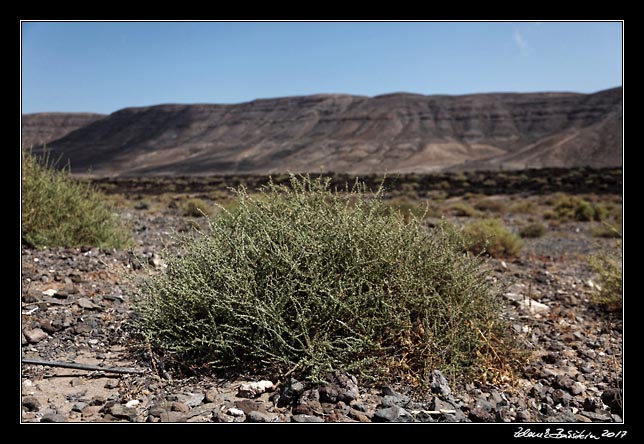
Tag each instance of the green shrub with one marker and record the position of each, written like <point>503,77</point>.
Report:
<point>490,236</point>
<point>523,207</point>
<point>195,208</point>
<point>532,231</point>
<point>490,205</point>
<point>461,209</point>
<point>307,281</point>
<point>608,265</point>
<point>568,208</point>
<point>58,211</point>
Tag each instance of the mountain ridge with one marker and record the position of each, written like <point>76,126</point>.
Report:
<point>395,132</point>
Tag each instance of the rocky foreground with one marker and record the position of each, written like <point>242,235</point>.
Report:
<point>75,304</point>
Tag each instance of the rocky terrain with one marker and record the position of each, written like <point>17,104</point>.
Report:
<point>76,303</point>
<point>351,134</point>
<point>42,128</point>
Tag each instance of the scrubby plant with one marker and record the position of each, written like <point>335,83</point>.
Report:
<point>524,206</point>
<point>608,265</point>
<point>58,211</point>
<point>568,208</point>
<point>490,205</point>
<point>461,209</point>
<point>411,209</point>
<point>491,237</point>
<point>195,207</point>
<point>305,280</point>
<point>532,230</point>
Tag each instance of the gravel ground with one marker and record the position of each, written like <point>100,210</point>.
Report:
<point>75,303</point>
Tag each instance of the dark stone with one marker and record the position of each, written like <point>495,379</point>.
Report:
<point>612,397</point>
<point>425,417</point>
<point>342,387</point>
<point>97,400</point>
<point>290,392</point>
<point>504,414</point>
<point>306,418</point>
<point>47,326</point>
<point>359,416</point>
<point>496,398</point>
<point>537,391</point>
<point>79,406</point>
<point>439,404</point>
<point>439,384</point>
<point>592,404</point>
<point>523,416</point>
<point>157,411</point>
<point>309,403</point>
<point>561,397</point>
<point>335,416</point>
<point>177,406</point>
<point>597,417</point>
<point>486,405</point>
<point>31,404</point>
<point>53,417</point>
<point>121,412</point>
<point>30,297</point>
<point>255,416</point>
<point>302,409</point>
<point>360,406</point>
<point>392,414</point>
<point>211,395</point>
<point>390,401</point>
<point>479,414</point>
<point>564,382</point>
<point>388,391</point>
<point>551,358</point>
<point>250,405</point>
<point>330,393</point>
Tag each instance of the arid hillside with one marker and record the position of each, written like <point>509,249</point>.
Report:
<point>353,134</point>
<point>42,128</point>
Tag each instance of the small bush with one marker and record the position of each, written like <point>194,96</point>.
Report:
<point>490,205</point>
<point>490,236</point>
<point>58,211</point>
<point>568,208</point>
<point>460,209</point>
<point>307,281</point>
<point>532,231</point>
<point>196,208</point>
<point>608,264</point>
<point>523,207</point>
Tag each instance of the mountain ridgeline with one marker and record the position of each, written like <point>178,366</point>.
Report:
<point>350,134</point>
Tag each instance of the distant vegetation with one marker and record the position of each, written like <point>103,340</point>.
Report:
<point>532,231</point>
<point>305,280</point>
<point>608,265</point>
<point>533,181</point>
<point>58,211</point>
<point>491,237</point>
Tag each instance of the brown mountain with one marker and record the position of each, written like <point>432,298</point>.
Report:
<point>354,134</point>
<point>42,128</point>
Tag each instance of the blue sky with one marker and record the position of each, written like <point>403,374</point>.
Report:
<point>105,66</point>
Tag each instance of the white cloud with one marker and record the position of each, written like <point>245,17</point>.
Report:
<point>521,42</point>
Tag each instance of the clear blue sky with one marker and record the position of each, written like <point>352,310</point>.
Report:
<point>105,66</point>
